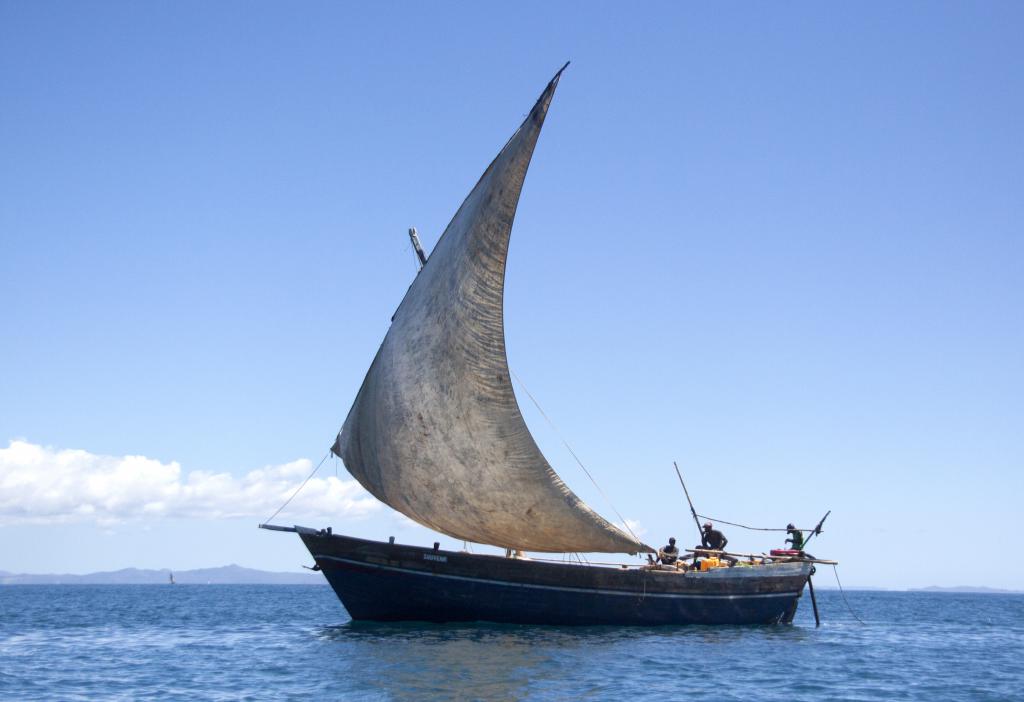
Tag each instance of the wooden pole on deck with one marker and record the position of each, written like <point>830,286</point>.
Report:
<point>817,529</point>
<point>693,511</point>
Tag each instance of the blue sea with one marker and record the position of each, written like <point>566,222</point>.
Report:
<point>224,642</point>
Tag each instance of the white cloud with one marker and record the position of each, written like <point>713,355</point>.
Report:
<point>632,525</point>
<point>39,484</point>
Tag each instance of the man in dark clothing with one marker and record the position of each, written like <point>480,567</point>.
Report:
<point>711,538</point>
<point>797,541</point>
<point>798,538</point>
<point>668,555</point>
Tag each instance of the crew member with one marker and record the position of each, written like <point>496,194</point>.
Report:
<point>798,538</point>
<point>668,555</point>
<point>711,538</point>
<point>798,542</point>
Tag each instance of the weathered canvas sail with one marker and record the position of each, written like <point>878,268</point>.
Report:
<point>435,431</point>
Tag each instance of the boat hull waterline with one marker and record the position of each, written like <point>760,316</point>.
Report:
<point>378,581</point>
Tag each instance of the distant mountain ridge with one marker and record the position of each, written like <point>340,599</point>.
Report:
<point>225,575</point>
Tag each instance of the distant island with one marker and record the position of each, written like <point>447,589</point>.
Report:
<point>967,589</point>
<point>237,575</point>
<point>225,575</point>
<point>961,589</point>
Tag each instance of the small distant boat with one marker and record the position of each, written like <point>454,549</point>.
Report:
<point>171,578</point>
<point>435,432</point>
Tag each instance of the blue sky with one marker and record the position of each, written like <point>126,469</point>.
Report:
<point>780,244</point>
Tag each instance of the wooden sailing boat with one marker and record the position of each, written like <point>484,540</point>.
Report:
<point>436,433</point>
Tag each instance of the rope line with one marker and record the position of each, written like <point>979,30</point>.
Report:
<point>578,461</point>
<point>298,489</point>
<point>743,526</point>
<point>836,571</point>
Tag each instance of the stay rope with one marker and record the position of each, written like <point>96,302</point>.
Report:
<point>743,526</point>
<point>836,571</point>
<point>298,489</point>
<point>565,443</point>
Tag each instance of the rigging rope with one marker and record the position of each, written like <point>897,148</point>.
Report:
<point>836,571</point>
<point>743,526</point>
<point>536,404</point>
<point>298,489</point>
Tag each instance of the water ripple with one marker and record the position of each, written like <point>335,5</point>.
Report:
<point>274,643</point>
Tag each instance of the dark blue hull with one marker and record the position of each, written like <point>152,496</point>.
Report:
<point>390,582</point>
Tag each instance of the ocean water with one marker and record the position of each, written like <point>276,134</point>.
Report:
<point>194,642</point>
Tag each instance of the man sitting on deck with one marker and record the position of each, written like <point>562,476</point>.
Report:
<point>668,555</point>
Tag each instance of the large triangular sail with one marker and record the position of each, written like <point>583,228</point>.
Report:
<point>435,430</point>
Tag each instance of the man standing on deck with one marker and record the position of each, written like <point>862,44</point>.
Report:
<point>797,541</point>
<point>798,537</point>
<point>711,538</point>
